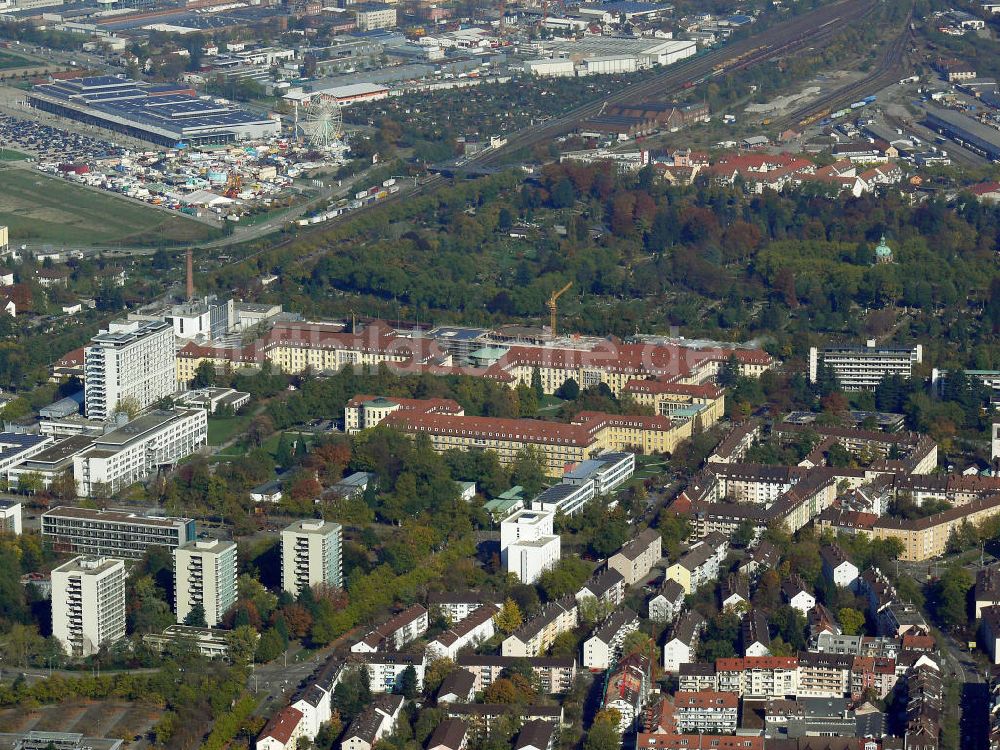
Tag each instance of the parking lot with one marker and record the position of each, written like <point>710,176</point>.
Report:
<point>48,143</point>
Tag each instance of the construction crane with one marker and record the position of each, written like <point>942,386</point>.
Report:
<point>553,308</point>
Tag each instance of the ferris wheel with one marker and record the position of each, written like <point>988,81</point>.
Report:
<point>323,124</point>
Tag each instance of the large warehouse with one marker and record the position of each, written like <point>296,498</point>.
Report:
<point>973,134</point>
<point>165,115</point>
<point>620,54</point>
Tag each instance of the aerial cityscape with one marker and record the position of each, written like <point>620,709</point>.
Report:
<point>488,374</point>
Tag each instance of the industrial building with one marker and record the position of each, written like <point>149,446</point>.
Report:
<point>164,115</point>
<point>966,131</point>
<point>621,54</point>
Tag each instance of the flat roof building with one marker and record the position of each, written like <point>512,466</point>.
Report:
<point>157,114</point>
<point>88,604</point>
<point>129,365</point>
<point>861,368</point>
<point>205,575</point>
<point>132,452</point>
<point>311,555</point>
<point>112,533</point>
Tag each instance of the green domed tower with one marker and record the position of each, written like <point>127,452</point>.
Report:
<point>883,253</point>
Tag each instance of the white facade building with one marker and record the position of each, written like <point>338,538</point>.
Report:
<point>88,604</point>
<point>10,517</point>
<point>311,555</point>
<point>861,368</point>
<point>132,452</point>
<point>205,574</point>
<point>527,545</point>
<point>131,362</point>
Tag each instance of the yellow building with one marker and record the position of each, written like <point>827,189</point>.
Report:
<point>562,445</point>
<point>924,538</point>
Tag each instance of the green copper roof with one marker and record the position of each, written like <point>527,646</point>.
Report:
<point>883,250</point>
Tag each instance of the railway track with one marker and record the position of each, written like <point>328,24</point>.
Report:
<point>777,41</point>
<point>890,68</point>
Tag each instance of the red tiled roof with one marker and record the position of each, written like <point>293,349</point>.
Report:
<point>283,725</point>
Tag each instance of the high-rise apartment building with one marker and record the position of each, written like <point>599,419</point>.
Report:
<point>205,574</point>
<point>861,368</point>
<point>88,604</point>
<point>130,363</point>
<point>311,554</point>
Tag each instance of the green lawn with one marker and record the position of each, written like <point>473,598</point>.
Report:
<point>222,429</point>
<point>40,208</point>
<point>7,154</point>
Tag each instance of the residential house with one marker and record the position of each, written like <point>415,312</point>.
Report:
<point>378,720</point>
<point>451,734</point>
<point>607,587</point>
<point>536,636</point>
<point>708,712</point>
<point>989,631</point>
<point>314,705</point>
<point>603,648</point>
<point>797,594</point>
<point>637,557</point>
<point>458,687</point>
<point>554,674</point>
<point>395,633</point>
<point>754,637</point>
<point>471,631</point>
<point>537,734</point>
<point>838,569</point>
<point>735,592</point>
<point>667,603</point>
<point>682,644</point>
<point>700,564</point>
<point>626,689</point>
<point>987,591</point>
<point>455,606</point>
<point>282,732</point>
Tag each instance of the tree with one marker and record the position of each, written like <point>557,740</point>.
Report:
<point>569,390</point>
<point>536,383</point>
<point>204,375</point>
<point>951,600</point>
<point>196,616</point>
<point>509,618</point>
<point>528,470</point>
<point>593,610</point>
<point>435,673</point>
<point>283,453</point>
<point>408,683</point>
<point>242,644</point>
<point>729,373</point>
<point>604,734</point>
<point>852,622</point>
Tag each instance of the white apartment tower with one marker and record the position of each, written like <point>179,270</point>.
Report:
<point>311,554</point>
<point>205,574</point>
<point>132,361</point>
<point>88,604</point>
<point>527,545</point>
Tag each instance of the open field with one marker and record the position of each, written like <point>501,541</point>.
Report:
<point>221,429</point>
<point>7,60</point>
<point>7,154</point>
<point>40,208</point>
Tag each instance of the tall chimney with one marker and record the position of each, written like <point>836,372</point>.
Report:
<point>190,275</point>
